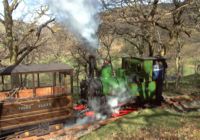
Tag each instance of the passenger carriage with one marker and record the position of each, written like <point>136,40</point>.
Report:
<point>35,94</point>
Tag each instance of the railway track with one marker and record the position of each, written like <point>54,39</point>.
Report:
<point>59,131</point>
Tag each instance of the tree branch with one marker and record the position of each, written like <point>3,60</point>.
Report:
<point>2,21</point>
<point>28,50</point>
<point>154,9</point>
<point>25,36</point>
<point>165,27</point>
<point>14,5</point>
<point>39,30</point>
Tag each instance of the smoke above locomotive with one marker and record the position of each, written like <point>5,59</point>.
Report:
<point>79,16</point>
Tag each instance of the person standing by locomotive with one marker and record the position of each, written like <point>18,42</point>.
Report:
<point>159,70</point>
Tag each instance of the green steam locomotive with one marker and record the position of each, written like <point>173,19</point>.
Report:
<point>138,79</point>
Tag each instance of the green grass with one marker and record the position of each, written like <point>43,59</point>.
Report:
<point>148,120</point>
<point>188,70</point>
<point>191,80</point>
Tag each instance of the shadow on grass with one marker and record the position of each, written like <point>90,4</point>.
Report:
<point>189,80</point>
<point>150,117</point>
<point>144,119</point>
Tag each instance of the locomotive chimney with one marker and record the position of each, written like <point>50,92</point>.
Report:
<point>92,66</point>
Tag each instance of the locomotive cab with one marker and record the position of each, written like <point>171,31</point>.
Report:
<point>147,78</point>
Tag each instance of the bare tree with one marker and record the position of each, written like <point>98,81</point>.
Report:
<point>107,35</point>
<point>138,20</point>
<point>18,38</point>
<point>80,58</point>
<point>177,29</point>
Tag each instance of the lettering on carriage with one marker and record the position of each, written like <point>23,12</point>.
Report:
<point>29,107</point>
<point>45,105</point>
<point>25,107</point>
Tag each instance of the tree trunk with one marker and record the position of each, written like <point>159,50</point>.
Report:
<point>178,67</point>
<point>151,51</point>
<point>178,61</point>
<point>77,77</point>
<point>109,57</point>
<point>8,24</point>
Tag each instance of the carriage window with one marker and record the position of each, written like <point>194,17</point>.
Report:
<point>1,84</point>
<point>27,81</point>
<point>7,83</point>
<point>68,83</point>
<point>58,79</point>
<point>46,79</point>
<point>67,80</point>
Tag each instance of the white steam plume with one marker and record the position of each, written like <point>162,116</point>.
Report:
<point>80,16</point>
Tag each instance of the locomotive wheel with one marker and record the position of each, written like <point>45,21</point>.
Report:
<point>139,101</point>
